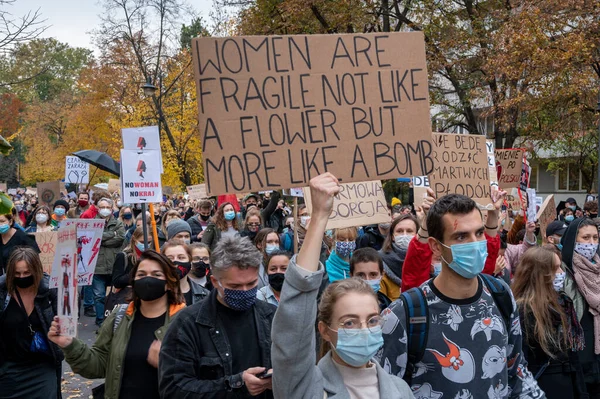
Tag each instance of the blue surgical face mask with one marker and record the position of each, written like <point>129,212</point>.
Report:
<point>271,248</point>
<point>468,260</point>
<point>437,268</point>
<point>4,228</point>
<point>344,249</point>
<point>59,212</point>
<point>140,246</point>
<point>239,300</point>
<point>559,246</point>
<point>573,207</point>
<point>375,284</point>
<point>358,347</point>
<point>230,215</point>
<point>569,218</point>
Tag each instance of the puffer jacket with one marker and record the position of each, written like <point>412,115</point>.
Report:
<point>45,305</point>
<point>106,358</point>
<point>112,241</point>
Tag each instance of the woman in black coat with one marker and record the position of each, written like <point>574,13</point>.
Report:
<point>10,238</point>
<point>30,365</point>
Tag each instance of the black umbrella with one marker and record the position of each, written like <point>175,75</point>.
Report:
<point>101,160</point>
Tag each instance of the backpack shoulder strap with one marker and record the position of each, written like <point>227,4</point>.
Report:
<point>417,324</point>
<point>501,297</point>
<point>121,310</point>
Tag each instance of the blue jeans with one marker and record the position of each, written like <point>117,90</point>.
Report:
<point>88,296</point>
<point>99,284</point>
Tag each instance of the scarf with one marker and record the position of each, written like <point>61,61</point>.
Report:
<point>587,277</point>
<point>337,268</point>
<point>574,331</point>
<point>392,263</point>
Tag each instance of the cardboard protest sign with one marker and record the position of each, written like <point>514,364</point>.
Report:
<point>142,139</point>
<point>140,177</point>
<point>508,164</point>
<point>76,170</point>
<point>461,167</point>
<point>3,187</point>
<point>48,192</point>
<point>525,175</point>
<point>357,204</point>
<point>114,185</point>
<point>46,241</point>
<point>31,191</point>
<point>490,149</point>
<point>513,199</point>
<point>531,205</point>
<point>420,185</point>
<point>89,237</point>
<point>64,275</point>
<point>546,214</point>
<point>276,111</point>
<point>197,191</point>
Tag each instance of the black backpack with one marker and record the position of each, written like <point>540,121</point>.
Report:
<point>417,319</point>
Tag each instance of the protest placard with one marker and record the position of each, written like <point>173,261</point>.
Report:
<point>89,237</point>
<point>140,177</point>
<point>490,149</point>
<point>197,191</point>
<point>420,185</point>
<point>46,241</point>
<point>294,192</point>
<point>546,214</point>
<point>513,199</point>
<point>525,175</point>
<point>76,170</point>
<point>48,192</point>
<point>12,191</point>
<point>357,204</point>
<point>64,276</point>
<point>114,185</point>
<point>31,191</point>
<point>531,205</point>
<point>3,187</point>
<point>142,139</point>
<point>167,190</point>
<point>276,111</point>
<point>509,164</point>
<point>461,167</point>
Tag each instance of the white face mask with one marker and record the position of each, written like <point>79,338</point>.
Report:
<point>559,281</point>
<point>105,212</point>
<point>403,240</point>
<point>41,218</point>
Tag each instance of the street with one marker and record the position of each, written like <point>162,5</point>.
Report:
<point>73,385</point>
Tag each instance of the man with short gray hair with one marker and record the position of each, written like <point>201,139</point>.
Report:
<point>221,347</point>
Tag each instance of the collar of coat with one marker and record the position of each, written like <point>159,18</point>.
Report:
<point>174,308</point>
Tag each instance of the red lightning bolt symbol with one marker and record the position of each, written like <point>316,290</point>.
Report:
<point>95,250</point>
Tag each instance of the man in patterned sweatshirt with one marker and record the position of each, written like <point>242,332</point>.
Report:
<point>469,351</point>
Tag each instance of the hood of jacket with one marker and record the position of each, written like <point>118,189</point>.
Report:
<point>373,229</point>
<point>568,243</point>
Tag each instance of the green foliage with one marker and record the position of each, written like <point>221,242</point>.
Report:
<point>196,29</point>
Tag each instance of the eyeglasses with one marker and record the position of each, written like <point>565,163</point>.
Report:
<point>204,259</point>
<point>352,326</point>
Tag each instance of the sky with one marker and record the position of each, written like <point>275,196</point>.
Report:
<point>71,21</point>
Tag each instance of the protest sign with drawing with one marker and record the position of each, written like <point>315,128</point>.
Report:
<point>140,177</point>
<point>513,199</point>
<point>525,175</point>
<point>76,170</point>
<point>89,237</point>
<point>46,241</point>
<point>197,191</point>
<point>509,164</point>
<point>357,204</point>
<point>461,167</point>
<point>48,192</point>
<point>276,111</point>
<point>144,138</point>
<point>64,278</point>
<point>490,149</point>
<point>546,214</point>
<point>420,185</point>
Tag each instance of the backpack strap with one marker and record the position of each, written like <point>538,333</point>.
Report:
<point>121,310</point>
<point>501,297</point>
<point>417,324</point>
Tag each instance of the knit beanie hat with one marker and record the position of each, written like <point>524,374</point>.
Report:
<point>396,201</point>
<point>63,203</point>
<point>176,226</point>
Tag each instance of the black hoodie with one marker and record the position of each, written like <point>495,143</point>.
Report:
<point>568,243</point>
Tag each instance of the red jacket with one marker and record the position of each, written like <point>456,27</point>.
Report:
<point>90,213</point>
<point>417,265</point>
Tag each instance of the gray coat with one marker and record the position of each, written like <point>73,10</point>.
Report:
<point>294,372</point>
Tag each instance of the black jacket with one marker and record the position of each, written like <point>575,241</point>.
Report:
<point>371,238</point>
<point>196,227</point>
<point>121,275</point>
<point>20,238</point>
<point>45,305</point>
<point>194,359</point>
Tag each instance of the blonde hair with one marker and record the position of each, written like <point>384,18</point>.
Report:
<point>334,292</point>
<point>349,231</point>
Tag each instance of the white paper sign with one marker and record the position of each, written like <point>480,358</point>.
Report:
<point>420,181</point>
<point>64,277</point>
<point>491,157</point>
<point>531,205</point>
<point>142,139</point>
<point>140,177</point>
<point>294,192</point>
<point>89,238</point>
<point>76,171</point>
